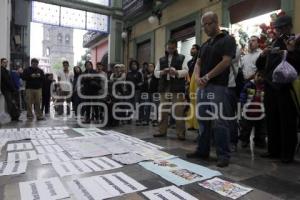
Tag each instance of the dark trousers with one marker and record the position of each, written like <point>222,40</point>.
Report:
<point>214,96</point>
<point>281,117</point>
<point>76,100</point>
<point>61,100</point>
<point>46,104</point>
<point>234,127</point>
<point>259,130</point>
<point>145,110</point>
<point>12,104</point>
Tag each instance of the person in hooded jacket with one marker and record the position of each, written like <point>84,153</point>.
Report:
<point>136,78</point>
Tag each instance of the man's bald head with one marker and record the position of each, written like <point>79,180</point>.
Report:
<point>210,23</point>
<point>211,15</point>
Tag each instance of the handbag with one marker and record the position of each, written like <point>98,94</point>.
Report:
<point>284,72</point>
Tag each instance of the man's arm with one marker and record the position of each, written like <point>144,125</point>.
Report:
<point>220,67</point>
<point>197,71</point>
<point>157,71</point>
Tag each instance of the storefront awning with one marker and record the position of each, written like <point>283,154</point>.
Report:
<point>246,9</point>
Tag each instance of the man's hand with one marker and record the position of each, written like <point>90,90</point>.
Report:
<point>201,82</point>
<point>165,71</point>
<point>173,71</point>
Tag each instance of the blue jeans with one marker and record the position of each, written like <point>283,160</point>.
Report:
<point>219,127</point>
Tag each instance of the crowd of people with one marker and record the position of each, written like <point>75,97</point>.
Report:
<point>222,92</point>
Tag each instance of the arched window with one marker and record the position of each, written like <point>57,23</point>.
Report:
<point>47,35</point>
<point>47,51</point>
<point>67,39</point>
<point>59,37</point>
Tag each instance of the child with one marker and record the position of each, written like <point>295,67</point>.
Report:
<point>253,92</point>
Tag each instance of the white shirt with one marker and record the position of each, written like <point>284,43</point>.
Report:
<point>248,63</point>
<point>181,73</point>
<point>65,77</point>
<point>234,68</point>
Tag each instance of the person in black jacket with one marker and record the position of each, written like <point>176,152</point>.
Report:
<point>150,87</point>
<point>46,93</point>
<point>8,89</point>
<point>76,100</point>
<point>34,78</point>
<point>136,77</point>
<point>281,114</point>
<point>90,89</point>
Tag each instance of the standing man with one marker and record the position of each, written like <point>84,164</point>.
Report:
<point>65,80</point>
<point>34,78</point>
<point>281,112</point>
<point>212,75</point>
<point>248,61</point>
<point>9,90</point>
<point>171,74</point>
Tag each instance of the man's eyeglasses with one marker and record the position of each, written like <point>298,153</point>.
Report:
<point>207,24</point>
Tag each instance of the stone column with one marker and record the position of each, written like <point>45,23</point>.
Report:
<point>5,18</point>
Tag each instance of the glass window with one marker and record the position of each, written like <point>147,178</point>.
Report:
<point>47,51</point>
<point>45,13</point>
<point>72,18</point>
<point>67,39</point>
<point>97,22</point>
<point>99,2</point>
<point>59,37</point>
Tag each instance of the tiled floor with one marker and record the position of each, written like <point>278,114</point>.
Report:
<point>269,178</point>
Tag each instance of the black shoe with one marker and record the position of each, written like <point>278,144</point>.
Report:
<point>233,148</point>
<point>260,145</point>
<point>223,163</point>
<point>87,121</point>
<point>145,123</point>
<point>287,160</point>
<point>160,135</point>
<point>155,124</point>
<point>245,144</point>
<point>268,155</point>
<point>40,119</point>
<point>16,120</point>
<point>197,155</point>
<point>138,123</point>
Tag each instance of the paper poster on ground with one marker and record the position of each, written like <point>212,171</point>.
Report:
<point>104,186</point>
<point>168,193</point>
<point>21,155</point>
<point>12,168</point>
<point>128,158</point>
<point>225,188</point>
<point>53,158</point>
<point>43,142</point>
<point>19,146</point>
<point>178,171</point>
<point>85,166</point>
<point>44,189</point>
<point>48,149</point>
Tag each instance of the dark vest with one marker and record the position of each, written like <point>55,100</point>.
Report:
<point>176,85</point>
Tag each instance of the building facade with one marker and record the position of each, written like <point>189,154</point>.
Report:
<point>181,20</point>
<point>58,45</point>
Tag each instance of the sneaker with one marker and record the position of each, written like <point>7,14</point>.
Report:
<point>223,163</point>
